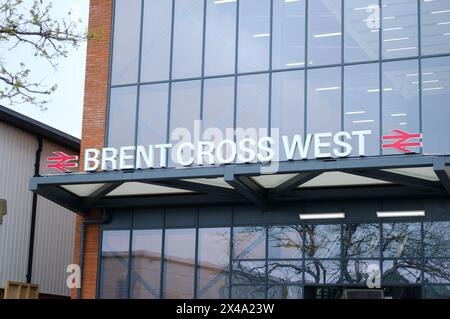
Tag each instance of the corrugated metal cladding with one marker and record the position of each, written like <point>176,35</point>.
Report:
<point>54,238</point>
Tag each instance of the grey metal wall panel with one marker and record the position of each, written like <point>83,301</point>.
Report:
<point>54,241</point>
<point>55,226</point>
<point>17,154</point>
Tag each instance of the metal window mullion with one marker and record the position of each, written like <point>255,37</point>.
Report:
<point>111,51</point>
<point>138,91</point>
<point>236,67</point>
<point>130,257</point>
<point>342,68</point>
<point>419,39</point>
<point>269,124</point>
<point>267,262</point>
<point>197,247</point>
<point>163,258</point>
<point>380,75</point>
<point>169,106</point>
<point>230,269</point>
<point>202,89</point>
<point>305,76</point>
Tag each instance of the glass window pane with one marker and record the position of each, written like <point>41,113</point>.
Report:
<point>437,239</point>
<point>401,108</point>
<point>146,265</point>
<point>285,242</point>
<point>184,111</point>
<point>437,292</point>
<point>218,104</point>
<point>122,117</point>
<point>437,271</point>
<point>400,272</point>
<point>156,39</point>
<point>285,292</point>
<point>435,27</point>
<point>249,242</point>
<point>254,35</point>
<point>400,29</point>
<point>436,94</point>
<point>188,39</point>
<point>402,240</point>
<point>323,241</point>
<point>220,35</point>
<point>252,101</point>
<point>213,263</point>
<point>324,28</point>
<point>362,240</point>
<point>153,107</point>
<point>252,110</point>
<point>288,34</point>
<point>179,263</point>
<point>362,30</point>
<point>249,272</point>
<point>324,101</point>
<point>114,265</point>
<point>362,105</point>
<point>285,272</point>
<point>288,106</point>
<point>322,271</point>
<point>248,292</point>
<point>127,29</point>
<point>358,271</point>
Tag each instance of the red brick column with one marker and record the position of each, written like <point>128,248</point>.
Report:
<point>94,122</point>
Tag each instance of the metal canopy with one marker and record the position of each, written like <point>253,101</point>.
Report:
<point>395,176</point>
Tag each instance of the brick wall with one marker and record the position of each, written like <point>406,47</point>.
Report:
<point>93,135</point>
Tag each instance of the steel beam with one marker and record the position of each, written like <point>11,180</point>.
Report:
<point>292,184</point>
<point>344,165</point>
<point>443,173</point>
<point>249,190</point>
<point>64,199</point>
<point>101,192</point>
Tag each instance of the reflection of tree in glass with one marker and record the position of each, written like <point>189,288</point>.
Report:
<point>286,241</point>
<point>437,239</point>
<point>402,271</point>
<point>323,271</point>
<point>248,272</point>
<point>401,240</point>
<point>285,272</point>
<point>437,271</point>
<point>323,241</point>
<point>249,242</point>
<point>361,240</point>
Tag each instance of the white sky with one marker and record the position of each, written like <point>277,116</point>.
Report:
<point>65,109</point>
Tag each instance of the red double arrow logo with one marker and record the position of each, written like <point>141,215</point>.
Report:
<point>63,162</point>
<point>403,141</point>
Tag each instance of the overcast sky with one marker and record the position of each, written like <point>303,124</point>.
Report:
<point>66,107</point>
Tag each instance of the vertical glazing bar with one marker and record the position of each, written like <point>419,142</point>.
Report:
<point>419,26</point>
<point>230,269</point>
<point>202,89</point>
<point>236,68</point>
<point>130,257</point>
<point>305,108</point>
<point>269,127</point>
<point>380,126</point>
<point>163,249</point>
<point>108,97</point>
<point>138,94</point>
<point>196,267</point>
<point>170,75</point>
<point>267,262</point>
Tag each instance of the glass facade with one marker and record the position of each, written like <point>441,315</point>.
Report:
<point>356,65</point>
<point>211,257</point>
